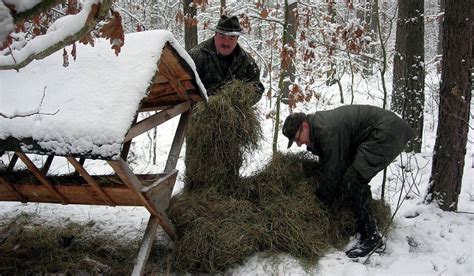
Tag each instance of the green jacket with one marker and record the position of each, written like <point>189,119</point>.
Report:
<point>215,71</point>
<point>361,137</point>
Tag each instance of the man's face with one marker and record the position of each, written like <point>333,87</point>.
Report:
<point>302,135</point>
<point>225,44</point>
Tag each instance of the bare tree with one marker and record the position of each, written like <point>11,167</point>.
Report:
<point>190,24</point>
<point>454,105</point>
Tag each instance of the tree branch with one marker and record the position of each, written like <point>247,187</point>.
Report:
<point>89,25</point>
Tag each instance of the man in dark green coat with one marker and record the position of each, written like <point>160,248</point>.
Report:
<point>354,143</point>
<point>220,59</point>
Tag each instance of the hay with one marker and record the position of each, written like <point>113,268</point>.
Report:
<point>30,247</point>
<point>219,135</point>
<point>222,219</point>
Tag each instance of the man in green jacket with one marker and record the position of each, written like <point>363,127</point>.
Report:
<point>220,59</point>
<point>354,143</point>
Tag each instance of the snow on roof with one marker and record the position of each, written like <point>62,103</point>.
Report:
<point>87,107</point>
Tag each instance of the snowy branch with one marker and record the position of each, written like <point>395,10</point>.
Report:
<point>58,38</point>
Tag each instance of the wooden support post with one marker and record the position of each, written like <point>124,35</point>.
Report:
<point>91,181</point>
<point>145,247</point>
<point>41,177</point>
<point>10,186</point>
<point>131,180</point>
<point>178,141</point>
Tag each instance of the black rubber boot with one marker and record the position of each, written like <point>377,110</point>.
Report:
<point>366,245</point>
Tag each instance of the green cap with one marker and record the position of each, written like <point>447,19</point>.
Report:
<point>291,125</point>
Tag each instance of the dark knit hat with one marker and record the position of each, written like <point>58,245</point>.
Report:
<point>291,125</point>
<point>229,26</point>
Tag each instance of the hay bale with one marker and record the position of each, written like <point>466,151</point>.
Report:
<point>221,131</point>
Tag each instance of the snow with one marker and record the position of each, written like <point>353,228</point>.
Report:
<point>424,241</point>
<point>88,106</point>
<point>22,5</point>
<point>6,22</point>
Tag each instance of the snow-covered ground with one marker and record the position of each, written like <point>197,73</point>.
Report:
<point>424,241</point>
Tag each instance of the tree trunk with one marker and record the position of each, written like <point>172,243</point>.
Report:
<point>454,105</point>
<point>408,68</point>
<point>289,34</point>
<point>190,27</point>
<point>441,3</point>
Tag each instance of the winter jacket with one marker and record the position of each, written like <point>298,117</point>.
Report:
<point>358,138</point>
<point>214,71</point>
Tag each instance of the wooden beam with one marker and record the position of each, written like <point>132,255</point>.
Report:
<point>12,188</point>
<point>76,194</point>
<point>12,163</point>
<point>127,176</point>
<point>156,119</point>
<point>47,164</point>
<point>160,192</point>
<point>178,140</point>
<point>166,60</point>
<point>91,181</point>
<point>41,177</point>
<point>145,247</point>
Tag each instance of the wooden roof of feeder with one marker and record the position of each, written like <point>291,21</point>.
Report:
<point>88,108</point>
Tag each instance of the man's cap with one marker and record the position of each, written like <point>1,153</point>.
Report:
<point>229,26</point>
<point>291,125</point>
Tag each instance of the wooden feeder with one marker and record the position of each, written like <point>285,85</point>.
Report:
<point>171,92</point>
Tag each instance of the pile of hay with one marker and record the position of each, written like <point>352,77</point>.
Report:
<point>222,219</point>
<point>31,247</point>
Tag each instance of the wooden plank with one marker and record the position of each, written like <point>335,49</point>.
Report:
<point>76,194</point>
<point>160,192</point>
<point>127,176</point>
<point>145,247</point>
<point>47,164</point>
<point>12,163</point>
<point>12,188</point>
<point>41,177</point>
<point>156,119</point>
<point>178,140</point>
<point>165,68</point>
<point>126,145</point>
<point>91,181</point>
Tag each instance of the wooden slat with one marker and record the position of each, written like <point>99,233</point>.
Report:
<point>91,181</point>
<point>178,140</point>
<point>12,188</point>
<point>156,119</point>
<point>47,164</point>
<point>127,176</point>
<point>126,146</point>
<point>145,247</point>
<point>165,68</point>
<point>12,163</point>
<point>41,177</point>
<point>76,194</point>
<point>160,192</point>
